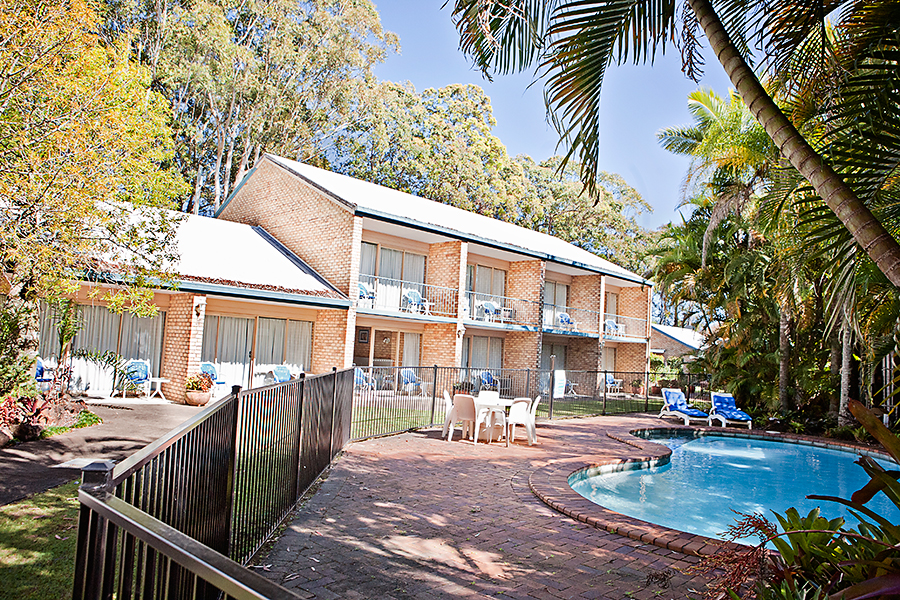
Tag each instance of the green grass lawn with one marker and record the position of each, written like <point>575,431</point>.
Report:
<point>37,545</point>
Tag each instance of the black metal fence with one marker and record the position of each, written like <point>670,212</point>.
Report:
<point>178,518</point>
<point>389,400</point>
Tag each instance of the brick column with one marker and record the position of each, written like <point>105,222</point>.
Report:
<point>182,342</point>
<point>333,340</point>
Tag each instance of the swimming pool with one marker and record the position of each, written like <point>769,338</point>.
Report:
<point>708,476</point>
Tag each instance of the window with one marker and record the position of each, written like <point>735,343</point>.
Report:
<point>612,303</point>
<point>389,263</point>
<point>556,298</point>
<point>482,352</point>
<point>485,280</point>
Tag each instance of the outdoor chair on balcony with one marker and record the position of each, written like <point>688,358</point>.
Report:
<point>566,322</point>
<point>491,311</point>
<point>611,327</point>
<point>725,411</point>
<point>366,296</point>
<point>413,302</point>
<point>136,376</point>
<point>613,385</point>
<point>675,405</point>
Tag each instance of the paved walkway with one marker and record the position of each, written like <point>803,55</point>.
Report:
<point>30,467</point>
<point>413,516</point>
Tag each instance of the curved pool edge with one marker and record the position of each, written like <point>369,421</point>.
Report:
<point>550,484</point>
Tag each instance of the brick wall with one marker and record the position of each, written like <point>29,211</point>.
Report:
<point>525,280</point>
<point>584,292</point>
<point>633,302</point>
<point>583,354</point>
<point>631,358</point>
<point>440,346</point>
<point>385,350</point>
<point>333,334</point>
<point>316,228</point>
<point>522,350</point>
<point>446,268</point>
<point>182,343</point>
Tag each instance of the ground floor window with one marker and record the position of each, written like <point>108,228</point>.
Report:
<point>482,352</point>
<point>557,350</point>
<point>228,344</point>
<point>608,358</point>
<point>99,331</point>
<point>411,347</point>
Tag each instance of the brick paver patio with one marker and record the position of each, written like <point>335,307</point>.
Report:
<point>413,516</point>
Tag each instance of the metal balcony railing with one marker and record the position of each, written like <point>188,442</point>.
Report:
<point>383,293</point>
<point>624,327</point>
<point>500,309</point>
<point>568,318</point>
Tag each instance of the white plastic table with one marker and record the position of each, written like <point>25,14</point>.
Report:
<point>156,387</point>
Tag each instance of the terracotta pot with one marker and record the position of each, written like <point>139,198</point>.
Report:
<point>196,398</point>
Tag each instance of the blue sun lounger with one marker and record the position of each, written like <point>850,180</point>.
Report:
<point>725,411</point>
<point>675,405</point>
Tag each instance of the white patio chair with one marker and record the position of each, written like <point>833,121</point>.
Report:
<point>464,405</point>
<point>520,414</point>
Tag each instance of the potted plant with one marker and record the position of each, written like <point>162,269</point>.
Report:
<point>637,386</point>
<point>196,389</point>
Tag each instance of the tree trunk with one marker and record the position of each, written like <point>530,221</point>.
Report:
<point>198,186</point>
<point>784,371</point>
<point>846,355</point>
<point>228,158</point>
<point>835,368</point>
<point>868,232</point>
<point>245,158</point>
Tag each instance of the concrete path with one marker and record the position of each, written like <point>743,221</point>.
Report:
<point>29,468</point>
<point>413,516</point>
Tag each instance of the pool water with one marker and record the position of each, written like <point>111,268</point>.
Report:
<point>710,476</point>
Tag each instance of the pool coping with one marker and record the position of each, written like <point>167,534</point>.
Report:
<point>551,485</point>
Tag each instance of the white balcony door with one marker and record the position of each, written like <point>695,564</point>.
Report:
<point>411,343</point>
<point>609,359</point>
<point>390,271</point>
<point>556,298</point>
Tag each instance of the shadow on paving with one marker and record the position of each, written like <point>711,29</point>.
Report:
<point>413,516</point>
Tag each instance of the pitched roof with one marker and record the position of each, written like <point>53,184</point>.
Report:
<point>688,337</point>
<point>371,200</point>
<point>238,255</point>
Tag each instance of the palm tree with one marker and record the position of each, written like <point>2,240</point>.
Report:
<point>573,42</point>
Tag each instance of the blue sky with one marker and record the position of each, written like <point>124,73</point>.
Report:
<point>637,101</point>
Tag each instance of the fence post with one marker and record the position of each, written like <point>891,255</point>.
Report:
<point>300,440</point>
<point>605,386</point>
<point>646,391</point>
<point>552,385</point>
<point>94,560</point>
<point>333,405</point>
<point>233,469</point>
<point>528,383</point>
<point>433,395</point>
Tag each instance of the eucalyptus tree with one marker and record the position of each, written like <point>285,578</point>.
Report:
<point>259,76</point>
<point>572,42</point>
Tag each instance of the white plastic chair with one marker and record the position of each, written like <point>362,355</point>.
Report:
<point>537,400</point>
<point>473,418</point>
<point>520,413</point>
<point>451,418</point>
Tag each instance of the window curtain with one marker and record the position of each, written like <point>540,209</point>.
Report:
<point>549,303</point>
<point>414,271</point>
<point>269,347</point>
<point>99,333</point>
<point>233,350</point>
<point>298,346</point>
<point>390,271</point>
<point>480,351</point>
<point>367,258</point>
<point>210,332</point>
<point>609,359</point>
<point>411,349</point>
<point>469,306</point>
<point>612,301</point>
<point>498,287</point>
<point>142,338</point>
<point>495,358</point>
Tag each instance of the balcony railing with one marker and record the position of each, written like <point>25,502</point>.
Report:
<point>383,293</point>
<point>500,309</point>
<point>568,318</point>
<point>624,327</point>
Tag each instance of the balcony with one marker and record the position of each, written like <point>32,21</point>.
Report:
<point>490,308</point>
<point>395,295</point>
<point>618,327</point>
<point>571,319</point>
